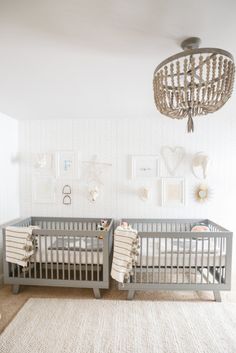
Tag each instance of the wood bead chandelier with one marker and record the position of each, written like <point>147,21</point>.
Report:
<point>194,82</point>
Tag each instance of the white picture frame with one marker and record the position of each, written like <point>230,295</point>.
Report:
<point>173,192</point>
<point>44,189</point>
<point>145,166</point>
<point>43,163</point>
<point>67,164</point>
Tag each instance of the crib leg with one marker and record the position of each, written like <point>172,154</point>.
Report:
<point>97,293</point>
<point>217,296</point>
<point>15,288</point>
<point>131,294</point>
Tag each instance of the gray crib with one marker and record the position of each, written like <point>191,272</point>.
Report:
<point>174,258</point>
<point>70,252</point>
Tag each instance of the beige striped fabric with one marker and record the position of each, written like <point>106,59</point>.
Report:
<point>19,244</point>
<point>125,254</point>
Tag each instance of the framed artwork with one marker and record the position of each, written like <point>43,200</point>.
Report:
<point>173,192</point>
<point>145,166</point>
<point>43,163</point>
<point>67,164</point>
<point>44,189</point>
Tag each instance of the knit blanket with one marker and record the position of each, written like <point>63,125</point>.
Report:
<point>20,244</point>
<point>125,254</point>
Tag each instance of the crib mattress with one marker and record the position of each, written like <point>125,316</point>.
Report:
<point>179,253</point>
<point>46,252</point>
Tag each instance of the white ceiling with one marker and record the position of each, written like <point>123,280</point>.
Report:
<point>90,58</point>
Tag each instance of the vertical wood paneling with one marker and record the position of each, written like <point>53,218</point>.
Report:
<point>114,141</point>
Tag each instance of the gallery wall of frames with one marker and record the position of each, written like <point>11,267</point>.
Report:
<point>114,168</point>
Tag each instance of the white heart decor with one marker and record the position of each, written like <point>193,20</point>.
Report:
<point>173,157</point>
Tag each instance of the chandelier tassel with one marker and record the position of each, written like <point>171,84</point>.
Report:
<point>190,124</point>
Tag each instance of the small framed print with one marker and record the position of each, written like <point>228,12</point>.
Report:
<point>173,192</point>
<point>145,166</point>
<point>67,164</point>
<point>44,189</point>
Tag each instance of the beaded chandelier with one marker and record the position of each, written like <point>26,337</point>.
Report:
<point>194,82</point>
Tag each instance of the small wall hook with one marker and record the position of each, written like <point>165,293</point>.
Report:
<point>67,200</point>
<point>66,189</point>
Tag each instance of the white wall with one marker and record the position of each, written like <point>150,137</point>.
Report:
<point>9,176</point>
<point>113,141</point>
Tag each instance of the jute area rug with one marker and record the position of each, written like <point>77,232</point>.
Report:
<point>108,326</point>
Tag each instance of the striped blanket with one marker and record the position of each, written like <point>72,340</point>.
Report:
<point>125,254</point>
<point>20,244</point>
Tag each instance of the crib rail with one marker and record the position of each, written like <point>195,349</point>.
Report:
<point>173,257</point>
<point>68,252</point>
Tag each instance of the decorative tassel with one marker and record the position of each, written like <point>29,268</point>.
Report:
<point>190,124</point>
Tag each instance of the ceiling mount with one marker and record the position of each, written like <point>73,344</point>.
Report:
<point>191,43</point>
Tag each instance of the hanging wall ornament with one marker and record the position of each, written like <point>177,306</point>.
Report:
<point>173,157</point>
<point>202,193</point>
<point>93,193</point>
<point>143,193</point>
<point>94,170</point>
<point>67,200</point>
<point>94,175</point>
<point>66,191</point>
<point>200,164</point>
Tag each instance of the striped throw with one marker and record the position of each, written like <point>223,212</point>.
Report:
<point>125,254</point>
<point>20,244</point>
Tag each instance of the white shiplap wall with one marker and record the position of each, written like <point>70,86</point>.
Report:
<point>114,140</point>
<point>9,176</point>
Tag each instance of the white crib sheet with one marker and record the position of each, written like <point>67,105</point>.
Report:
<point>44,253</point>
<point>179,254</point>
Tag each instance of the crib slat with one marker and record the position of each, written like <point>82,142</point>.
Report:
<point>208,260</point>
<point>68,253</point>
<point>74,259</point>
<point>98,259</point>
<point>141,260</point>
<point>153,258</point>
<point>147,260</point>
<point>202,258</point>
<point>214,261</point>
<point>159,261</point>
<point>46,256</point>
<point>13,270</point>
<point>220,265</point>
<point>92,258</point>
<point>40,257</point>
<point>51,252</point>
<point>86,259</point>
<point>171,261</point>
<point>184,252</point>
<point>57,257</point>
<point>177,275</point>
<point>190,260</point>
<point>35,249</point>
<point>165,259</point>
<point>63,257</point>
<point>80,260</point>
<point>196,259</point>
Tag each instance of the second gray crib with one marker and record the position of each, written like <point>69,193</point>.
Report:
<point>172,257</point>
